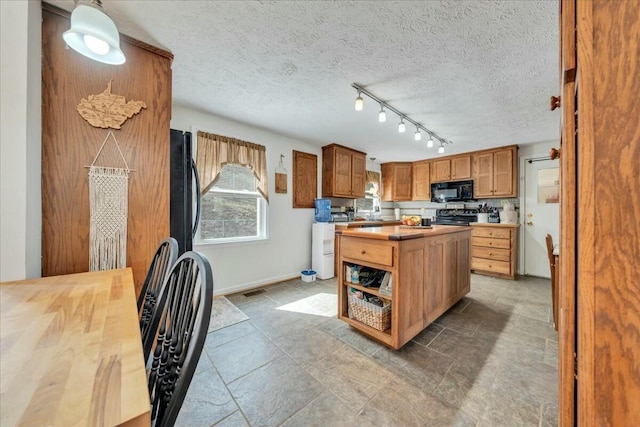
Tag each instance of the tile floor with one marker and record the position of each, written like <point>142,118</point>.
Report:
<point>489,361</point>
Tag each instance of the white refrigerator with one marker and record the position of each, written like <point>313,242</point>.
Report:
<point>322,249</point>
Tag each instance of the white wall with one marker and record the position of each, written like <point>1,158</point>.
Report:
<point>287,251</point>
<point>20,140</point>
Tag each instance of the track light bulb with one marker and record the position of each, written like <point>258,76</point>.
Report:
<point>382,116</point>
<point>359,102</point>
<point>401,126</point>
<point>417,136</point>
<point>441,149</point>
<point>430,142</point>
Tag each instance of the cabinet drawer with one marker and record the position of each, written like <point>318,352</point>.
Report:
<point>483,264</point>
<point>501,233</point>
<point>491,253</point>
<point>489,242</point>
<point>362,250</point>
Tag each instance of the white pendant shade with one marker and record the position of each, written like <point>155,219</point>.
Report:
<point>94,35</point>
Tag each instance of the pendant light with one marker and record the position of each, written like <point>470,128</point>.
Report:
<point>430,142</point>
<point>93,34</point>
<point>417,136</point>
<point>382,116</point>
<point>401,126</point>
<point>359,102</point>
<point>441,148</point>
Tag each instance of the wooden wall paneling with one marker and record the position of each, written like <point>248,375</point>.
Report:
<point>567,263</point>
<point>608,170</point>
<point>69,143</point>
<point>305,179</point>
<point>585,218</point>
<point>567,259</point>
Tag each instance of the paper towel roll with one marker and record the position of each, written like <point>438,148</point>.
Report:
<point>396,211</point>
<point>508,217</point>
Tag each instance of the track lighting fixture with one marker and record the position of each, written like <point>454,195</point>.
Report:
<point>359,102</point>
<point>401,126</point>
<point>430,142</point>
<point>382,117</point>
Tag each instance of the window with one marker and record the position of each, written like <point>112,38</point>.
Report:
<point>549,185</point>
<point>371,202</point>
<point>233,210</point>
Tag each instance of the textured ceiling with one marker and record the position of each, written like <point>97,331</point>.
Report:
<point>478,73</point>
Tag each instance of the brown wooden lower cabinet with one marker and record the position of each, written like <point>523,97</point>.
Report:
<point>494,249</point>
<point>429,271</point>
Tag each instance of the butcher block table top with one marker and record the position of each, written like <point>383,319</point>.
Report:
<point>71,352</point>
<point>402,232</point>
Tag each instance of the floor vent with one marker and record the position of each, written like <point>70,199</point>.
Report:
<point>252,293</point>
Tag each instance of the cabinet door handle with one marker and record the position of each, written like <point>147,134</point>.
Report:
<point>362,252</point>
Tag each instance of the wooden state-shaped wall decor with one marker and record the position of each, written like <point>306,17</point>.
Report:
<point>107,110</point>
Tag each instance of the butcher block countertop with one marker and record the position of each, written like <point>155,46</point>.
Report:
<point>358,224</point>
<point>71,352</point>
<point>400,232</point>
<point>495,224</point>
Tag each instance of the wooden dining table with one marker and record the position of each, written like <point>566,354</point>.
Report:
<point>71,353</point>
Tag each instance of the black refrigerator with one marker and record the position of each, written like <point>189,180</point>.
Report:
<point>184,213</point>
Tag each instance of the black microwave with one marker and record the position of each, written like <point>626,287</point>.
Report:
<point>457,191</point>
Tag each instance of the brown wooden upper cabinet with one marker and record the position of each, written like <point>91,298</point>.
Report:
<point>421,180</point>
<point>440,170</point>
<point>451,168</point>
<point>396,181</point>
<point>496,172</point>
<point>343,172</point>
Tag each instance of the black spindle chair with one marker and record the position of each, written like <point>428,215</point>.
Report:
<point>162,261</point>
<point>176,335</point>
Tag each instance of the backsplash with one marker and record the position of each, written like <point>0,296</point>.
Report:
<point>416,208</point>
<point>426,208</point>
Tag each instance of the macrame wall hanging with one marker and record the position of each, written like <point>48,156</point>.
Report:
<point>108,185</point>
<point>108,200</point>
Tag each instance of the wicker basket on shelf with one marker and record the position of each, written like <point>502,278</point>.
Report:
<point>371,315</point>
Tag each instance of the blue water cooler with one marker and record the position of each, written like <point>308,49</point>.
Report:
<point>323,210</point>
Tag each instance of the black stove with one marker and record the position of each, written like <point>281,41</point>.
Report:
<point>456,216</point>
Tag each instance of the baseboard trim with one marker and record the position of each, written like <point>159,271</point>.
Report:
<point>256,284</point>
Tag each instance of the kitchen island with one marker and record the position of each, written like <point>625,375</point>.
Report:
<point>428,270</point>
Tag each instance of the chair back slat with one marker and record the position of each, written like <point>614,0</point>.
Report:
<point>177,334</point>
<point>161,263</point>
